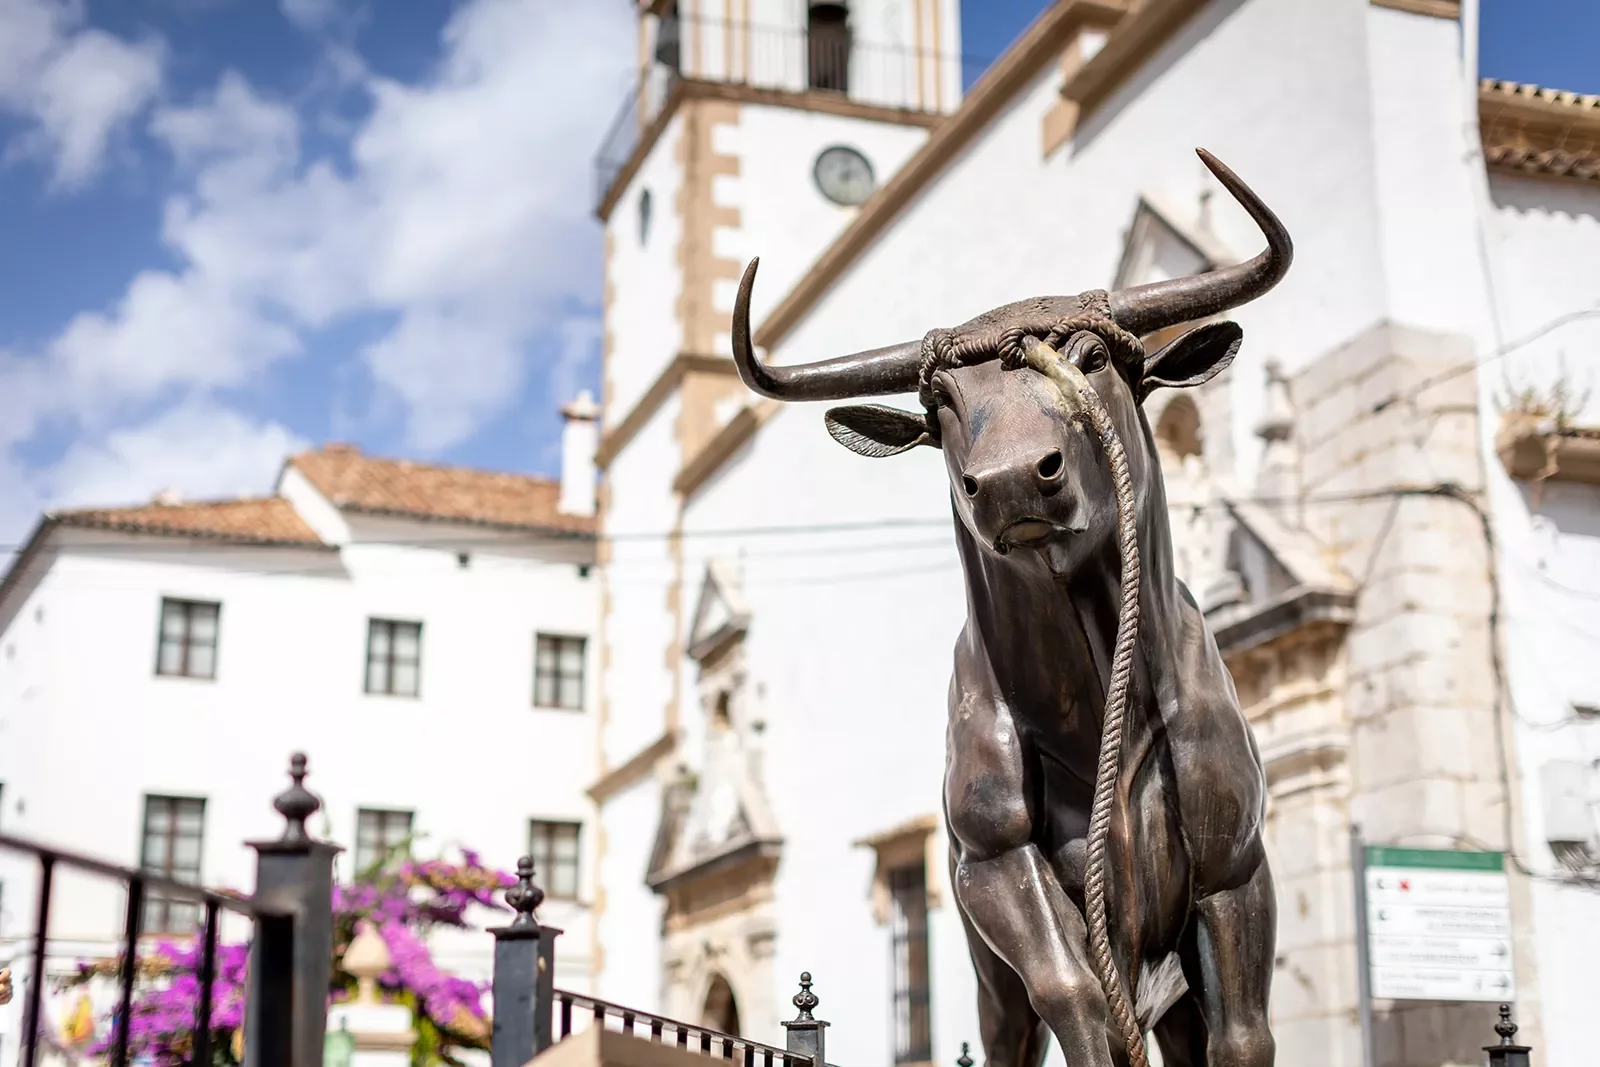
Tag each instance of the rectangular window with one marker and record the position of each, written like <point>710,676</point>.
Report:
<point>174,829</point>
<point>554,848</point>
<point>558,672</point>
<point>913,1038</point>
<point>381,836</point>
<point>394,656</point>
<point>187,646</point>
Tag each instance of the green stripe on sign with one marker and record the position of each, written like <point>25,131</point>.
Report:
<point>1435,859</point>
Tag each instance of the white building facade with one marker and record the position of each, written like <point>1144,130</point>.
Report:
<point>1396,553</point>
<point>425,634</point>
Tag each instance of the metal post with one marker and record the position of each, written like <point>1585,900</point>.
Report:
<point>207,979</point>
<point>294,873</point>
<point>33,1018</point>
<point>807,1035</point>
<point>130,971</point>
<point>272,1007</point>
<point>524,976</point>
<point>1358,870</point>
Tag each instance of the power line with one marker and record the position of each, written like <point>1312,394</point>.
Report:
<point>1498,354</point>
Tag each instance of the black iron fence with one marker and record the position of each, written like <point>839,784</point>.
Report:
<point>291,945</point>
<point>531,1014</point>
<point>825,58</point>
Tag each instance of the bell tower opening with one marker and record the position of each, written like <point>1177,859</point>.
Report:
<point>828,46</point>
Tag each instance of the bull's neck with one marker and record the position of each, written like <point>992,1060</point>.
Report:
<point>1031,625</point>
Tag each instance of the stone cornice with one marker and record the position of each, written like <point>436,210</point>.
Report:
<point>1534,450</point>
<point>1128,48</point>
<point>637,766</point>
<point>740,853</point>
<point>728,440</point>
<point>616,439</point>
<point>1302,606</point>
<point>1543,133</point>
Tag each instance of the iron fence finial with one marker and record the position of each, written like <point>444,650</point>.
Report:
<point>1505,1027</point>
<point>1507,1053</point>
<point>526,896</point>
<point>805,1000</point>
<point>297,803</point>
<point>964,1060</point>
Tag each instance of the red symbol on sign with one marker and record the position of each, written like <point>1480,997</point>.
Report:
<point>1405,885</point>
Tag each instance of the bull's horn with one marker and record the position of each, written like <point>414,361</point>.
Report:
<point>877,372</point>
<point>1146,308</point>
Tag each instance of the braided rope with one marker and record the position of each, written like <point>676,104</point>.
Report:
<point>951,348</point>
<point>1109,768</point>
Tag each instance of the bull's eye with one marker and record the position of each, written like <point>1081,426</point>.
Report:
<point>1090,357</point>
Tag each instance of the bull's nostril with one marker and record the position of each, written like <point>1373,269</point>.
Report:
<point>970,484</point>
<point>1050,465</point>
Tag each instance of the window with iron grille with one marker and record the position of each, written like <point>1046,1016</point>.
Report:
<point>394,657</point>
<point>913,1038</point>
<point>558,672</point>
<point>186,646</point>
<point>554,848</point>
<point>174,830</point>
<point>381,836</point>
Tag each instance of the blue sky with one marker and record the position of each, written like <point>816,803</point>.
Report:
<point>238,227</point>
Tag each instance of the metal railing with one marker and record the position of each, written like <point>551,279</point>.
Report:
<point>784,59</point>
<point>531,1014</point>
<point>663,1030</point>
<point>290,952</point>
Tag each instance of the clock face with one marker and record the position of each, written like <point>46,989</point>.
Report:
<point>844,176</point>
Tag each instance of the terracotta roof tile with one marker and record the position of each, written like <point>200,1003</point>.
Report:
<point>1537,131</point>
<point>261,521</point>
<point>426,491</point>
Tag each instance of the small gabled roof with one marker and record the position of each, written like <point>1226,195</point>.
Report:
<point>434,492</point>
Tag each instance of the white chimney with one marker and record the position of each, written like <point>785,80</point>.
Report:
<point>579,441</point>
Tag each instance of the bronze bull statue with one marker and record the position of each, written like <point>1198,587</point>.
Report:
<point>1029,402</point>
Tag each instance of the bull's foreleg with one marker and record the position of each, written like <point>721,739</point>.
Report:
<point>1012,1033</point>
<point>1022,914</point>
<point>1007,889</point>
<point>1228,961</point>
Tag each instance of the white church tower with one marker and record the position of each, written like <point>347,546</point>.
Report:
<point>756,127</point>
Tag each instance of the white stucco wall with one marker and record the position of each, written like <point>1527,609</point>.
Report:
<point>87,729</point>
<point>1546,242</point>
<point>849,651</point>
<point>641,316</point>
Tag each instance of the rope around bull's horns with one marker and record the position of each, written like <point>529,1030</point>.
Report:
<point>1041,356</point>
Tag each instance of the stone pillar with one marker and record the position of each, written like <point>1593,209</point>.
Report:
<point>1393,477</point>
<point>382,1033</point>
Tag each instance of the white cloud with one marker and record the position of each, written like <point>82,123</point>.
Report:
<point>310,15</point>
<point>77,85</point>
<point>198,450</point>
<point>462,216</point>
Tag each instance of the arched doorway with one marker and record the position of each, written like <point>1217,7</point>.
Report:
<point>721,1012</point>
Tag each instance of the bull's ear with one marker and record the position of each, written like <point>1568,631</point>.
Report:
<point>1195,357</point>
<point>874,430</point>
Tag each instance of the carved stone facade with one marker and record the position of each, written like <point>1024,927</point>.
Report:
<point>718,846</point>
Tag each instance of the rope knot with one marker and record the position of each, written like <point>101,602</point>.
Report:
<point>942,348</point>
